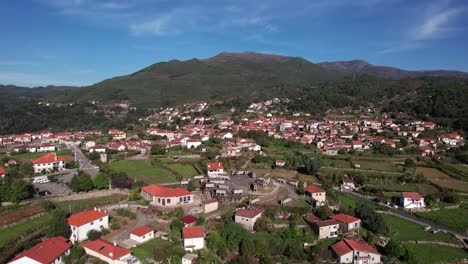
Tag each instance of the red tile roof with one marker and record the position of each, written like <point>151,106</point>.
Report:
<point>214,166</point>
<point>311,218</point>
<point>46,251</point>
<point>412,195</point>
<point>361,246</point>
<point>328,222</point>
<point>142,230</point>
<point>248,213</point>
<point>161,191</point>
<point>48,158</point>
<point>344,218</point>
<point>85,217</point>
<point>193,232</point>
<point>188,219</point>
<point>106,248</point>
<point>313,189</point>
<point>341,248</point>
<point>2,171</point>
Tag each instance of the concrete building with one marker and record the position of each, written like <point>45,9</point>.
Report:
<point>247,217</point>
<point>347,223</point>
<point>315,195</point>
<point>326,228</point>
<point>213,169</point>
<point>142,234</point>
<point>166,197</point>
<point>358,252</point>
<point>82,223</point>
<point>410,200</point>
<point>48,162</point>
<point>194,238</point>
<point>108,252</point>
<point>210,205</point>
<point>50,251</point>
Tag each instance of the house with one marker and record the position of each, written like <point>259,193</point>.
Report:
<point>326,228</point>
<point>214,168</point>
<point>194,237</point>
<point>311,219</point>
<point>188,220</point>
<point>142,234</point>
<point>347,185</point>
<point>192,143</point>
<point>247,217</point>
<point>409,200</point>
<point>426,152</point>
<point>2,172</point>
<point>189,258</point>
<point>166,197</point>
<point>349,251</point>
<point>50,251</point>
<point>98,149</point>
<point>315,195</point>
<point>210,205</point>
<point>48,162</point>
<point>117,134</point>
<point>280,163</point>
<point>356,144</point>
<point>227,135</point>
<point>348,223</point>
<point>107,251</point>
<point>82,223</point>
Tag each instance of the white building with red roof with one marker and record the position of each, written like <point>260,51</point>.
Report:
<point>48,251</point>
<point>48,162</point>
<point>348,223</point>
<point>213,169</point>
<point>410,200</point>
<point>315,195</point>
<point>82,223</point>
<point>142,234</point>
<point>349,251</point>
<point>194,238</point>
<point>326,228</point>
<point>166,197</point>
<point>247,217</point>
<point>117,134</point>
<point>108,252</point>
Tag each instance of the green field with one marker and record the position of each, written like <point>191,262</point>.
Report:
<point>147,249</point>
<point>378,165</point>
<point>185,170</point>
<point>455,218</point>
<point>345,200</point>
<point>422,188</point>
<point>404,230</point>
<point>143,170</point>
<point>27,157</point>
<point>436,253</point>
<point>20,229</point>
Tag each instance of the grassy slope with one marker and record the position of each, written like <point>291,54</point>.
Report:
<point>436,253</point>
<point>20,229</point>
<point>455,218</point>
<point>186,170</point>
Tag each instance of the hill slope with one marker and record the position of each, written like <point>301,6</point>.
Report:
<point>362,67</point>
<point>225,75</point>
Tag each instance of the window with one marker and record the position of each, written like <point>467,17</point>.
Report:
<point>180,199</point>
<point>168,200</point>
<point>188,198</point>
<point>100,219</point>
<point>91,223</point>
<point>159,200</point>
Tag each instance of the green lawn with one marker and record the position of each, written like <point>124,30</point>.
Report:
<point>79,205</point>
<point>186,170</point>
<point>21,229</point>
<point>345,200</point>
<point>422,188</point>
<point>147,249</point>
<point>455,218</point>
<point>27,157</point>
<point>65,152</point>
<point>143,170</point>
<point>404,230</point>
<point>379,165</point>
<point>436,253</point>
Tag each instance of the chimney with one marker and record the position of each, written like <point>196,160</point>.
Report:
<point>115,244</point>
<point>95,209</point>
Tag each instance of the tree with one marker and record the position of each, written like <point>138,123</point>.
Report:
<point>177,225</point>
<point>157,150</point>
<point>324,212</point>
<point>410,163</point>
<point>81,182</point>
<point>48,205</point>
<point>72,165</point>
<point>101,181</point>
<point>394,248</point>
<point>58,225</point>
<point>15,190</point>
<point>26,169</point>
<point>248,247</point>
<point>134,194</point>
<point>93,234</point>
<point>312,166</point>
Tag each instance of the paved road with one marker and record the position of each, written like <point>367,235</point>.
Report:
<point>85,164</point>
<point>409,217</point>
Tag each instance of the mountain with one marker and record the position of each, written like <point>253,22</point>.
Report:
<point>363,67</point>
<point>10,93</point>
<point>224,75</point>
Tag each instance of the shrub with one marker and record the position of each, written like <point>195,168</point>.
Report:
<point>93,234</point>
<point>114,226</point>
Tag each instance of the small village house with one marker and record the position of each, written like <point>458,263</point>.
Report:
<point>189,258</point>
<point>347,223</point>
<point>213,169</point>
<point>326,228</point>
<point>315,195</point>
<point>108,252</point>
<point>247,217</point>
<point>210,205</point>
<point>194,237</point>
<point>82,223</point>
<point>142,234</point>
<point>48,162</point>
<point>50,251</point>
<point>410,200</point>
<point>188,220</point>
<point>166,197</point>
<point>358,252</point>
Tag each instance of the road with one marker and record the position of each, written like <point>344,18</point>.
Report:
<point>406,216</point>
<point>85,164</point>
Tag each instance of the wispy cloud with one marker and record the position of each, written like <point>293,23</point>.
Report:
<point>17,63</point>
<point>156,26</point>
<point>439,21</point>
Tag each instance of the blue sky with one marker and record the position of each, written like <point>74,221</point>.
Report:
<point>81,42</point>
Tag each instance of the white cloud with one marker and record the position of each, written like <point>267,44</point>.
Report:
<point>17,63</point>
<point>437,25</point>
<point>156,26</point>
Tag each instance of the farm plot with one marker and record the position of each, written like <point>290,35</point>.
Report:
<point>80,205</point>
<point>455,218</point>
<point>432,173</point>
<point>20,214</point>
<point>443,180</point>
<point>430,253</point>
<point>185,170</point>
<point>20,229</point>
<point>404,230</point>
<point>143,170</point>
<point>377,165</point>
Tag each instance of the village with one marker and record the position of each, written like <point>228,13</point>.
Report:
<point>209,183</point>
